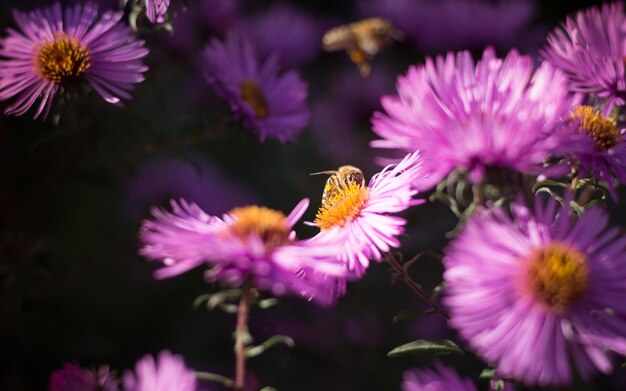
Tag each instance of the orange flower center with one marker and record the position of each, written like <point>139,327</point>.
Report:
<point>345,203</point>
<point>603,129</point>
<point>252,93</point>
<point>64,59</point>
<point>557,275</point>
<point>268,224</point>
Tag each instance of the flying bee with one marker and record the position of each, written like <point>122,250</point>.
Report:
<point>362,40</point>
<point>340,178</point>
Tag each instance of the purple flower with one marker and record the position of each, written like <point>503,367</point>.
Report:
<point>156,9</point>
<point>590,48</point>
<point>167,373</point>
<point>248,243</point>
<point>533,291</point>
<point>74,378</point>
<point>54,50</point>
<point>466,116</point>
<point>444,379</point>
<point>267,32</point>
<point>219,15</point>
<point>439,25</point>
<point>360,215</point>
<point>271,104</point>
<point>602,150</point>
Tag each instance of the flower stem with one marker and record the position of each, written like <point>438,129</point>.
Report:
<point>414,286</point>
<point>242,338</point>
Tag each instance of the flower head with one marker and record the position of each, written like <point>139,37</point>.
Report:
<point>168,372</point>
<point>267,31</point>
<point>248,243</point>
<point>461,115</point>
<point>602,148</point>
<point>533,290</point>
<point>444,379</point>
<point>74,378</point>
<point>360,214</point>
<point>590,48</point>
<point>52,50</point>
<point>271,104</point>
<point>156,9</point>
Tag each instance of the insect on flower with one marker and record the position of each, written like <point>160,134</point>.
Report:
<point>340,179</point>
<point>362,40</point>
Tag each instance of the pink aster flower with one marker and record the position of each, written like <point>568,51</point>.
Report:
<point>590,48</point>
<point>272,104</point>
<point>156,9</point>
<point>53,50</point>
<point>461,115</point>
<point>248,243</point>
<point>537,290</point>
<point>361,215</point>
<point>167,373</point>
<point>602,146</point>
<point>443,379</point>
<point>74,378</point>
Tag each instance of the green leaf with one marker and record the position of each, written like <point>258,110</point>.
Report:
<point>268,389</point>
<point>408,315</point>
<point>487,373</point>
<point>436,346</point>
<point>547,183</point>
<point>254,351</point>
<point>214,377</point>
<point>268,303</point>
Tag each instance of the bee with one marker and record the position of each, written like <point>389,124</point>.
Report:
<point>362,40</point>
<point>340,178</point>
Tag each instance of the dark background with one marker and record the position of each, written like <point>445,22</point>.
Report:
<point>73,194</point>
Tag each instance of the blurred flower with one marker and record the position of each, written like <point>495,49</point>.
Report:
<point>156,182</point>
<point>167,373</point>
<point>219,15</point>
<point>156,9</point>
<point>53,52</point>
<point>248,243</point>
<point>196,22</point>
<point>530,293</point>
<point>273,105</point>
<point>443,379</point>
<point>496,113</point>
<point>590,48</point>
<point>360,214</point>
<point>267,32</point>
<point>604,151</point>
<point>74,378</point>
<point>440,25</point>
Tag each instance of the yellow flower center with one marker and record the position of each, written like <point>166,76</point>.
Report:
<point>64,59</point>
<point>268,224</point>
<point>557,275</point>
<point>345,203</point>
<point>603,129</point>
<point>251,93</point>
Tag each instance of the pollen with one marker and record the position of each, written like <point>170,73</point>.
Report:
<point>603,129</point>
<point>342,206</point>
<point>251,93</point>
<point>61,60</point>
<point>268,224</point>
<point>557,275</point>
